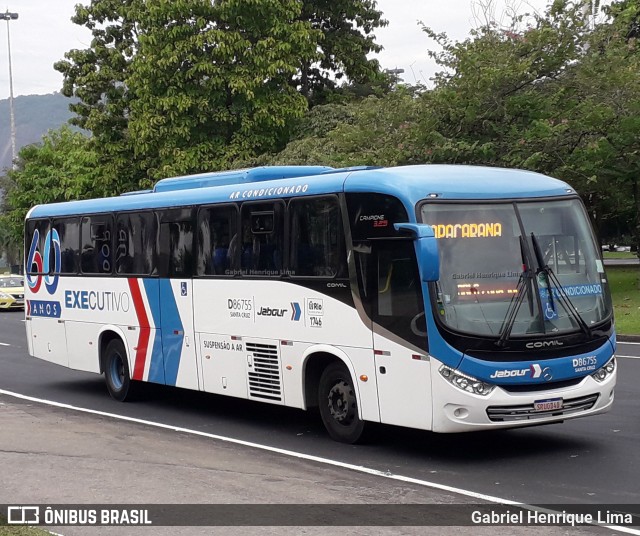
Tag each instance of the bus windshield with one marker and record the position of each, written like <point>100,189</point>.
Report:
<point>517,268</point>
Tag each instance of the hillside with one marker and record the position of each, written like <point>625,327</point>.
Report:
<point>34,115</point>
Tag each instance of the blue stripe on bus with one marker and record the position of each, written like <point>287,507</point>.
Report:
<point>156,367</point>
<point>533,371</point>
<point>173,332</point>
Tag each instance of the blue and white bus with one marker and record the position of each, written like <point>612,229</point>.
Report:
<point>444,298</point>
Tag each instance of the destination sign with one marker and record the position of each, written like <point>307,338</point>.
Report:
<point>467,230</point>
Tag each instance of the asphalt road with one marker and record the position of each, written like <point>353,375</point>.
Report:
<point>592,461</point>
<point>192,485</point>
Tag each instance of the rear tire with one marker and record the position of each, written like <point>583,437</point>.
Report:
<point>338,404</point>
<point>116,371</point>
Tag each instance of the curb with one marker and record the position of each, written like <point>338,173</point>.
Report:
<point>628,338</point>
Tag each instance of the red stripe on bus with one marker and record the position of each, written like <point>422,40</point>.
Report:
<point>145,331</point>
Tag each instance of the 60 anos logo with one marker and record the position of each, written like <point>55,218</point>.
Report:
<point>41,262</point>
<point>51,247</point>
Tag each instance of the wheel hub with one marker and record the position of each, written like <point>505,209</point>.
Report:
<point>341,401</point>
<point>117,374</point>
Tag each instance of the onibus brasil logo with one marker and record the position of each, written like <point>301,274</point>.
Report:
<point>36,262</point>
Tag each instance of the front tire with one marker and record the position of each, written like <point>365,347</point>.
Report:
<point>116,371</point>
<point>338,404</point>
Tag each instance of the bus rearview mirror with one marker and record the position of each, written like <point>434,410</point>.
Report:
<point>426,249</point>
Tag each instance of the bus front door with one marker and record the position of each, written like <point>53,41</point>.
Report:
<point>399,334</point>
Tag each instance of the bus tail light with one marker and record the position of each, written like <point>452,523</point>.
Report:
<point>465,382</point>
<point>604,372</point>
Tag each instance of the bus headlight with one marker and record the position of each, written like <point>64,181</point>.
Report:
<point>604,372</point>
<point>465,382</point>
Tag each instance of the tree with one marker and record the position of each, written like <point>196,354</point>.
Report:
<point>552,96</point>
<point>610,74</point>
<point>347,28</point>
<point>10,245</point>
<point>377,131</point>
<point>500,84</point>
<point>211,82</point>
<point>180,86</point>
<point>62,168</point>
<point>97,77</point>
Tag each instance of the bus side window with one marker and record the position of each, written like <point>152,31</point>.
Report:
<point>180,248</point>
<point>217,240</point>
<point>42,226</point>
<point>96,246</point>
<point>262,244</point>
<point>69,234</point>
<point>136,235</point>
<point>175,242</point>
<point>316,238</point>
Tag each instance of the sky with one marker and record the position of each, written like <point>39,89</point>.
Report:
<point>44,32</point>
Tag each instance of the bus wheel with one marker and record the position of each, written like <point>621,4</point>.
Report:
<point>338,404</point>
<point>116,370</point>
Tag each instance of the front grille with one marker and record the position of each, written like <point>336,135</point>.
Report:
<point>547,386</point>
<point>527,413</point>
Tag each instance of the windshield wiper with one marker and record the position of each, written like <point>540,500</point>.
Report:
<point>523,287</point>
<point>550,277</point>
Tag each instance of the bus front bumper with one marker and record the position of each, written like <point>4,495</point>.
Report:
<point>455,410</point>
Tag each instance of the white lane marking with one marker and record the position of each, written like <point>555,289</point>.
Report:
<point>629,356</point>
<point>621,342</point>
<point>308,457</point>
<point>4,344</point>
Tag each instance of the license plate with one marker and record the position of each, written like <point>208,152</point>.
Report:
<point>550,404</point>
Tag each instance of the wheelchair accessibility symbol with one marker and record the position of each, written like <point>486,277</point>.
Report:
<point>549,312</point>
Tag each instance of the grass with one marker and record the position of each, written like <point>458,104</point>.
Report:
<point>20,530</point>
<point>619,255</point>
<point>624,282</point>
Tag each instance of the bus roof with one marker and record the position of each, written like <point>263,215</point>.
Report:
<point>409,183</point>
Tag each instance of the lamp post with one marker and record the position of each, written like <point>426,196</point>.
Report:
<point>395,74</point>
<point>11,16</point>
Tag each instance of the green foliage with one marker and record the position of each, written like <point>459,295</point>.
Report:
<point>545,93</point>
<point>374,131</point>
<point>97,76</point>
<point>63,167</point>
<point>172,87</point>
<point>22,531</point>
<point>551,96</point>
<point>624,282</point>
<point>211,82</point>
<point>176,87</point>
<point>500,90</point>
<point>34,116</point>
<point>347,37</point>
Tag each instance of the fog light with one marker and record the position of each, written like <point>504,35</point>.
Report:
<point>461,413</point>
